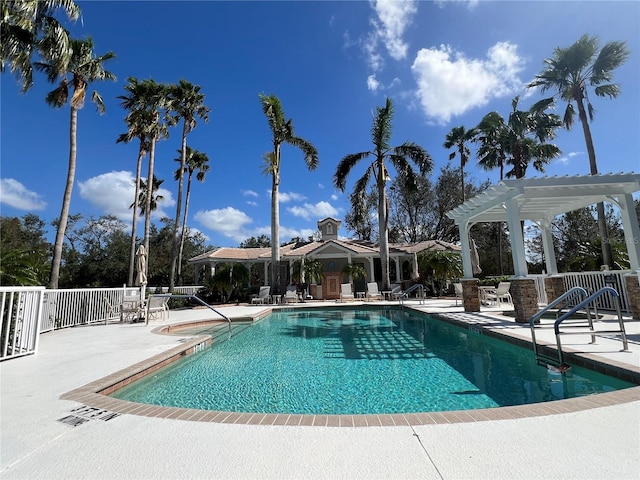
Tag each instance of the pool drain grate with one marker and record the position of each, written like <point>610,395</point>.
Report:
<point>84,414</point>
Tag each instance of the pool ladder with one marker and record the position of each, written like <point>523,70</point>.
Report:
<point>587,302</point>
<point>191,297</point>
<point>411,289</point>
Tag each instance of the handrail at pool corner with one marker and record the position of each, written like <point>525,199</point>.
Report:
<point>575,291</point>
<point>191,297</point>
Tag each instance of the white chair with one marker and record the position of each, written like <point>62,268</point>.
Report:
<point>396,291</point>
<point>373,292</point>
<point>345,292</point>
<point>291,295</point>
<point>157,307</point>
<point>263,295</point>
<point>500,295</point>
<point>130,309</point>
<point>458,289</point>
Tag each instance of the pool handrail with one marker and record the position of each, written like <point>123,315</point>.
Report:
<point>573,292</point>
<point>191,297</point>
<point>411,289</point>
<point>586,302</point>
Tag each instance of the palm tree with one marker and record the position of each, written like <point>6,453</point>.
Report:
<point>28,27</point>
<point>198,163</point>
<point>83,68</point>
<point>569,72</point>
<point>186,104</point>
<point>282,132</point>
<point>459,137</point>
<point>137,123</point>
<point>142,202</point>
<point>398,156</point>
<point>150,100</point>
<point>520,141</point>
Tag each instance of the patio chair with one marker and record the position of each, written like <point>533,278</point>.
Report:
<point>458,290</point>
<point>263,295</point>
<point>346,293</point>
<point>500,295</point>
<point>373,292</point>
<point>291,295</point>
<point>157,307</point>
<point>396,291</point>
<point>130,309</point>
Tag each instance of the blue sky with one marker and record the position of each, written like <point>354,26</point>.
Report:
<point>444,64</point>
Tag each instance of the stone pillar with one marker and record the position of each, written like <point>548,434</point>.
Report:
<point>553,287</point>
<point>470,295</point>
<point>633,291</point>
<point>525,298</point>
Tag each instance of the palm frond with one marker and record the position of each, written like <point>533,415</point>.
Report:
<point>344,168</point>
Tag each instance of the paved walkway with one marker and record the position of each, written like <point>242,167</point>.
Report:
<point>601,442</point>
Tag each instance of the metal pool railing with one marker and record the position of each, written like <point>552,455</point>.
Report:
<point>20,320</point>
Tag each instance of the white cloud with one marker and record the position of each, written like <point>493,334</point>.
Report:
<point>317,211</point>
<point>287,233</point>
<point>372,83</point>
<point>470,3</point>
<point>228,221</point>
<point>565,159</point>
<point>16,195</point>
<point>114,192</point>
<point>249,193</point>
<point>392,19</point>
<point>284,197</point>
<point>253,204</point>
<point>449,84</point>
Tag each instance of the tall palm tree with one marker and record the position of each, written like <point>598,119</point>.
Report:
<point>198,163</point>
<point>569,72</point>
<point>377,170</point>
<point>186,103</point>
<point>142,202</point>
<point>28,28</point>
<point>491,134</point>
<point>459,137</point>
<point>150,99</point>
<point>83,68</point>
<point>137,121</point>
<point>282,132</point>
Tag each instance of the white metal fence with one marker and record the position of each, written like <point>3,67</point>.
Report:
<point>20,320</point>
<point>594,281</point>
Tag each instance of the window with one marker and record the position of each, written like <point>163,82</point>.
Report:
<point>329,228</point>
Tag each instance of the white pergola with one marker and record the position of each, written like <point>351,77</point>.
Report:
<point>540,200</point>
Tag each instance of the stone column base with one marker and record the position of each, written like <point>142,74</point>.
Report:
<point>470,295</point>
<point>525,298</point>
<point>633,291</point>
<point>553,287</point>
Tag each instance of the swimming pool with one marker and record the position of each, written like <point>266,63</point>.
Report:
<point>338,361</point>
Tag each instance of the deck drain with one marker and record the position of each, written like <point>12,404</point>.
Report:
<point>83,414</point>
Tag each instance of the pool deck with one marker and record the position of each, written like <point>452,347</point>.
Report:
<point>592,437</point>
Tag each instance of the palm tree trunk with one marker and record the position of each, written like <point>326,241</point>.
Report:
<point>66,201</point>
<point>382,227</point>
<point>607,256</point>
<point>176,224</point>
<point>184,225</point>
<point>134,221</point>
<point>148,198</point>
<point>275,220</point>
<point>462,178</point>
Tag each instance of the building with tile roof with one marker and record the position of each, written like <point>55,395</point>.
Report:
<point>334,254</point>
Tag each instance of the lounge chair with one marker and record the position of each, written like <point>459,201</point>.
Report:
<point>263,295</point>
<point>500,295</point>
<point>291,295</point>
<point>458,289</point>
<point>396,291</point>
<point>131,309</point>
<point>373,292</point>
<point>346,293</point>
<point>157,307</point>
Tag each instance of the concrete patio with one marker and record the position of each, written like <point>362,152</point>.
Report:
<point>598,442</point>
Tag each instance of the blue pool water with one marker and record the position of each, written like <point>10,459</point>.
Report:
<point>357,362</point>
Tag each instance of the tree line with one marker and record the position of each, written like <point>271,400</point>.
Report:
<point>32,39</point>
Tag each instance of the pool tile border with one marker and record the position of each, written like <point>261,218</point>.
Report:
<point>96,394</point>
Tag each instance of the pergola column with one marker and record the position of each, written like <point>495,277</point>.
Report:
<point>631,229</point>
<point>516,239</point>
<point>547,245</point>
<point>470,293</point>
